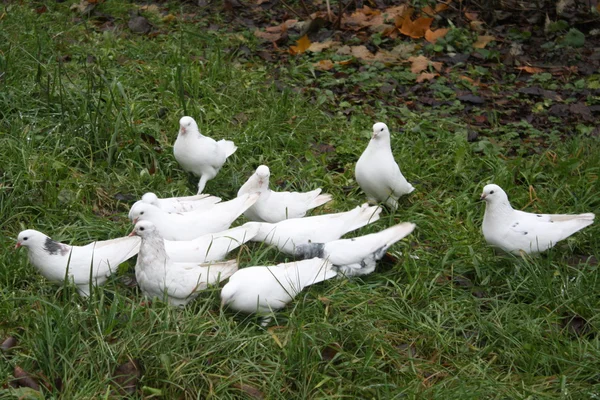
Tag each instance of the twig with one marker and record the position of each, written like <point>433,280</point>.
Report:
<point>291,9</point>
<point>305,9</point>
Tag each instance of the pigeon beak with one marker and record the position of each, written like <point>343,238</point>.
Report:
<point>17,245</point>
<point>483,196</point>
<point>135,221</point>
<point>132,233</point>
<point>182,130</point>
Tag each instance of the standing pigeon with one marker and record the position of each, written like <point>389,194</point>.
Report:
<point>356,256</point>
<point>377,172</point>
<point>264,289</point>
<point>181,204</point>
<point>177,283</point>
<point>517,231</point>
<point>209,247</point>
<point>198,154</point>
<point>276,206</point>
<point>190,225</point>
<point>97,259</point>
<point>288,234</point>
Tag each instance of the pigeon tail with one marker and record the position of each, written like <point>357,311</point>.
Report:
<point>362,216</point>
<point>320,200</point>
<point>228,147</point>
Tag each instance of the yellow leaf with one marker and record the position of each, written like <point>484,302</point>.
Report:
<point>426,76</point>
<point>433,36</point>
<point>530,70</point>
<point>316,47</point>
<point>302,45</point>
<point>419,64</point>
<point>169,18</point>
<point>324,65</point>
<point>483,41</point>
<point>415,29</point>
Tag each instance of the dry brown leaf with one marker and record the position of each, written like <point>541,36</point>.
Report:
<point>385,57</point>
<point>483,41</point>
<point>268,36</point>
<point>249,390</point>
<point>282,27</point>
<point>126,377</point>
<point>428,10</point>
<point>153,8</point>
<point>259,2</point>
<point>436,65</point>
<point>477,26</point>
<point>471,16</point>
<point>419,64</point>
<point>316,47</point>
<point>324,65</point>
<point>439,7</point>
<point>433,36</point>
<point>301,46</point>
<point>530,70</point>
<point>426,76</point>
<point>415,29</point>
<point>361,52</point>
<point>24,379</point>
<point>466,78</point>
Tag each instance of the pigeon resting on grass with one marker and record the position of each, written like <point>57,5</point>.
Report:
<point>377,173</point>
<point>356,256</point>
<point>209,247</point>
<point>181,204</point>
<point>276,206</point>
<point>517,231</point>
<point>265,289</point>
<point>198,154</point>
<point>53,258</point>
<point>177,283</point>
<point>190,225</point>
<point>288,234</point>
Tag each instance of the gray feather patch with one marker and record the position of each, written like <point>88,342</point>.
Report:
<point>311,250</point>
<point>54,248</point>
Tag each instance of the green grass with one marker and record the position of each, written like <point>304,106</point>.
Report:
<point>459,322</point>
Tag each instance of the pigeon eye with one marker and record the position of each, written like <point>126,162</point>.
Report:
<point>142,213</point>
<point>142,228</point>
<point>381,130</point>
<point>492,192</point>
<point>25,238</point>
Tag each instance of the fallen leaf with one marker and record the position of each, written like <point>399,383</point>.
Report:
<point>23,378</point>
<point>471,98</point>
<point>439,7</point>
<point>433,36</point>
<point>270,37</point>
<point>139,24</point>
<point>483,41</point>
<point>168,18</point>
<point>426,76</point>
<point>8,343</point>
<point>290,23</point>
<point>530,70</point>
<point>259,2</point>
<point>302,45</point>
<point>84,7</point>
<point>127,376</point>
<point>249,390</point>
<point>317,47</point>
<point>324,65</point>
<point>153,8</point>
<point>329,352</point>
<point>471,16</point>
<point>419,64</point>
<point>415,29</point>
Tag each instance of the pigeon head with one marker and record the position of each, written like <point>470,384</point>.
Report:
<point>493,194</point>
<point>150,198</point>
<point>263,174</point>
<point>143,229</point>
<point>380,130</point>
<point>141,211</point>
<point>29,238</point>
<point>187,124</point>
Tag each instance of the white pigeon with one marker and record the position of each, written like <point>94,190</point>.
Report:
<point>199,154</point>
<point>190,225</point>
<point>52,258</point>
<point>288,234</point>
<point>276,206</point>
<point>377,173</point>
<point>517,231</point>
<point>264,289</point>
<point>209,247</point>
<point>356,256</point>
<point>181,204</point>
<point>177,283</point>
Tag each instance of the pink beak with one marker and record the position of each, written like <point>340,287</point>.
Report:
<point>136,220</point>
<point>182,129</point>
<point>17,245</point>
<point>132,233</point>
